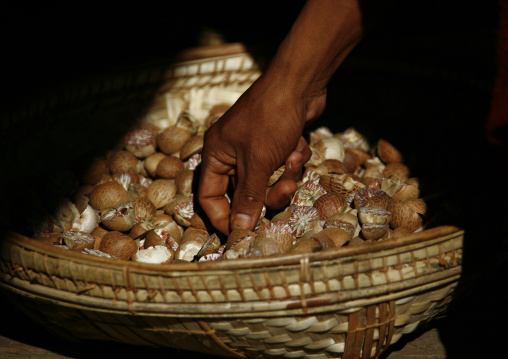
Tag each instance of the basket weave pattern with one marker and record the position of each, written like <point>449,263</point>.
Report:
<point>332,305</point>
<point>343,303</point>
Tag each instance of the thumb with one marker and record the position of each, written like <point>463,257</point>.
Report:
<point>248,200</point>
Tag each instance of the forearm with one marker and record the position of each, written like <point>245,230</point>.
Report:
<point>322,36</point>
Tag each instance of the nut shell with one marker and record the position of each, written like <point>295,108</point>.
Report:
<point>267,244</point>
<point>123,162</point>
<point>374,231</point>
<point>338,236</point>
<point>77,241</point>
<point>374,215</point>
<point>191,147</point>
<point>161,191</point>
<point>387,152</point>
<point>172,139</point>
<point>169,167</point>
<point>372,197</point>
<point>118,244</point>
<point>330,204</point>
<point>396,171</point>
<point>150,163</point>
<point>144,209</point>
<point>141,142</point>
<point>120,218</point>
<point>108,195</point>
<point>407,213</point>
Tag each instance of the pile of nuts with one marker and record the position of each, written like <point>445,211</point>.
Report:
<point>138,202</point>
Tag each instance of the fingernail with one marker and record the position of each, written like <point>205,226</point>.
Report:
<point>241,221</point>
<point>300,146</point>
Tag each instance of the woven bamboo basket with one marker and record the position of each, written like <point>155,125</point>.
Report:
<point>343,303</point>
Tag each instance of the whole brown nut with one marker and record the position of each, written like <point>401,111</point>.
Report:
<point>119,245</point>
<point>169,167</point>
<point>351,160</point>
<point>329,204</point>
<point>192,146</point>
<point>122,161</point>
<point>267,244</point>
<point>137,190</point>
<point>144,209</point>
<point>196,221</point>
<point>387,152</point>
<point>107,195</point>
<point>98,233</point>
<point>150,163</point>
<point>172,139</point>
<point>338,236</point>
<point>161,191</point>
<point>305,245</point>
<point>184,182</point>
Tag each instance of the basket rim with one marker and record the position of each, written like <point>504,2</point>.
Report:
<point>344,253</point>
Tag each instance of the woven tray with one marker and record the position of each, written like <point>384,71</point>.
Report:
<point>343,303</point>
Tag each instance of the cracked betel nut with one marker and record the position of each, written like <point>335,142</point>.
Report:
<point>119,218</point>
<point>141,142</point>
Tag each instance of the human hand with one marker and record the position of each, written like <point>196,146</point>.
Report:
<point>262,130</point>
<point>258,134</point>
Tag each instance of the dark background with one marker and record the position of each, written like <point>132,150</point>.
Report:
<point>422,79</point>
